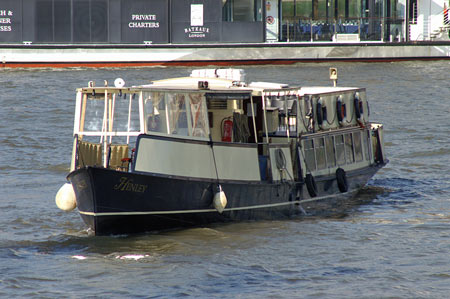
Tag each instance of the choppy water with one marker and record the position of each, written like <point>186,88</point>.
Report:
<point>394,243</point>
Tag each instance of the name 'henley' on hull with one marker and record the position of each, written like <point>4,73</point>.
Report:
<point>211,148</point>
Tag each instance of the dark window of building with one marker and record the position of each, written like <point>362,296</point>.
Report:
<point>288,8</point>
<point>72,21</point>
<point>303,8</point>
<point>413,11</point>
<point>99,21</point>
<point>53,21</point>
<point>322,9</point>
<point>44,19</point>
<point>242,10</point>
<point>62,21</point>
<point>81,21</point>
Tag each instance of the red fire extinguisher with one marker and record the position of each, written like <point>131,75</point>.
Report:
<point>227,131</point>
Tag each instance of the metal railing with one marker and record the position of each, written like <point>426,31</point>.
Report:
<point>327,30</point>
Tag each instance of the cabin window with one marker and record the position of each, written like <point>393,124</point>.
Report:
<point>115,118</point>
<point>358,146</point>
<point>93,119</point>
<point>340,149</point>
<point>319,144</point>
<point>155,112</point>
<point>287,113</point>
<point>176,104</point>
<point>310,158</point>
<point>349,148</point>
<point>329,146</point>
<point>331,151</point>
<point>182,114</point>
<point>199,116</point>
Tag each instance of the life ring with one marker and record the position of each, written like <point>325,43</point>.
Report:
<point>311,185</point>
<point>341,179</point>
<point>340,109</point>
<point>321,116</point>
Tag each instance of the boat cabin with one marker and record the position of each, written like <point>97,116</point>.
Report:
<point>213,126</point>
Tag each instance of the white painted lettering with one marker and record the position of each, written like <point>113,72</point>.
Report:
<point>8,14</point>
<point>143,17</point>
<point>143,25</point>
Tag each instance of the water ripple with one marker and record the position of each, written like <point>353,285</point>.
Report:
<point>391,241</point>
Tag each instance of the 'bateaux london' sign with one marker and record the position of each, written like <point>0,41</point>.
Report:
<point>197,28</point>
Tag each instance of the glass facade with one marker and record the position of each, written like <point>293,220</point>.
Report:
<point>71,21</point>
<point>327,20</point>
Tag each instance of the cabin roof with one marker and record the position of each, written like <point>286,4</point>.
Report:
<point>220,86</point>
<point>312,90</point>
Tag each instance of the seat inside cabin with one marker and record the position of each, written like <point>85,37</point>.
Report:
<point>91,154</point>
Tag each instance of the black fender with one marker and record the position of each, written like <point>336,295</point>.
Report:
<point>319,111</point>
<point>340,112</point>
<point>311,185</point>
<point>357,105</point>
<point>341,179</point>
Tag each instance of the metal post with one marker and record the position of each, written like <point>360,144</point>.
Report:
<point>407,21</point>
<point>253,118</point>
<point>129,119</point>
<point>265,117</point>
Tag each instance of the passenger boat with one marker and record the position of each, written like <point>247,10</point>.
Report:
<point>211,148</point>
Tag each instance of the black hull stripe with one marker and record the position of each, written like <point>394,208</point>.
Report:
<point>210,210</point>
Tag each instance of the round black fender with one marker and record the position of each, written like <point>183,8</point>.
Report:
<point>319,111</point>
<point>311,185</point>
<point>341,179</point>
<point>357,106</point>
<point>339,109</point>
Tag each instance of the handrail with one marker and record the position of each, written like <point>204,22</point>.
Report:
<point>300,29</point>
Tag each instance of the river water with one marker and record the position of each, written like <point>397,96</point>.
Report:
<point>394,242</point>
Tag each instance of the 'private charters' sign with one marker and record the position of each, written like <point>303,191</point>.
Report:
<point>143,21</point>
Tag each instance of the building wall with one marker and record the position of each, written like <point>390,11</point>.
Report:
<point>128,21</point>
<point>429,19</point>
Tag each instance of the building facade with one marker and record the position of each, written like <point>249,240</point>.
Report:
<point>219,21</point>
